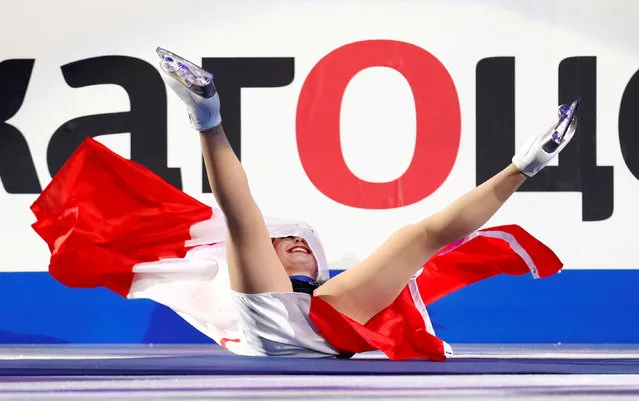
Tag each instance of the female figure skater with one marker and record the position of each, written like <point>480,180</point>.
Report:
<point>260,286</point>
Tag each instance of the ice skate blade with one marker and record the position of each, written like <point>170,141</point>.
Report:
<point>193,77</point>
<point>567,116</point>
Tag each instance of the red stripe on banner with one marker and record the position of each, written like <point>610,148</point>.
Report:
<point>101,214</point>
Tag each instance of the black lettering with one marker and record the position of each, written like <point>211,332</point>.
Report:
<point>233,74</point>
<point>629,124</point>
<point>577,169</point>
<point>495,115</point>
<point>17,171</point>
<point>146,121</point>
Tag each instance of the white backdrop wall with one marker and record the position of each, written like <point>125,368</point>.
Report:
<point>377,121</point>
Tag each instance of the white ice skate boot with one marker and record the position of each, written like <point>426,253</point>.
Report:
<point>539,150</point>
<point>194,86</point>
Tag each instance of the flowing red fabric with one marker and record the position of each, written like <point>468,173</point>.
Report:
<point>102,214</point>
<point>400,330</point>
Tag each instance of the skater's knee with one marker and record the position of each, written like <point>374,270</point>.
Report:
<point>434,235</point>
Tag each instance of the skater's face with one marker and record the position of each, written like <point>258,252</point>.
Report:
<point>296,256</point>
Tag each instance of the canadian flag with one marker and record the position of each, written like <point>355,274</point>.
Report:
<point>112,223</point>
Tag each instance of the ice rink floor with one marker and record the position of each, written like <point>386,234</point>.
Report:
<point>170,372</point>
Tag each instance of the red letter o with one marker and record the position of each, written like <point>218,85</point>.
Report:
<point>438,124</point>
